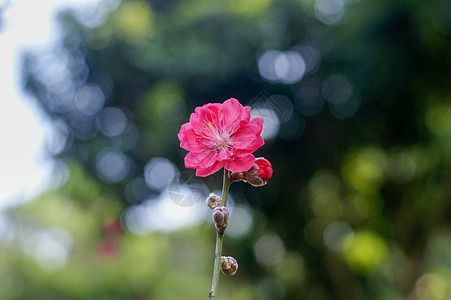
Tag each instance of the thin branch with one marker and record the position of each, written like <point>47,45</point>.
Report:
<point>219,238</point>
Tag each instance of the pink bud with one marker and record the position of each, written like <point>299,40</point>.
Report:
<point>264,169</point>
<point>259,173</point>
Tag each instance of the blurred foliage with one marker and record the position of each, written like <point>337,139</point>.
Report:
<point>358,97</point>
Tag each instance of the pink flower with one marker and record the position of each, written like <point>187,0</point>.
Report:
<point>264,169</point>
<point>221,135</point>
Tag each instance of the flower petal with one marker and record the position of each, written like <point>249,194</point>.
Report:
<point>202,116</point>
<point>202,159</point>
<point>240,164</point>
<point>189,140</point>
<point>248,135</point>
<point>257,143</point>
<point>230,115</point>
<point>210,170</point>
<point>246,114</point>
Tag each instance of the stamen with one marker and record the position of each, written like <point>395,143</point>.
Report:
<point>214,131</point>
<point>220,142</point>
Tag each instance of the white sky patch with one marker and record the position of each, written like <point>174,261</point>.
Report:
<point>163,214</point>
<point>26,25</point>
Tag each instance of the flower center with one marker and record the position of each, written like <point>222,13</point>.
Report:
<point>220,142</point>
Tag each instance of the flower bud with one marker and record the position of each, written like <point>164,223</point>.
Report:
<point>229,265</point>
<point>220,217</point>
<point>264,169</point>
<point>259,173</point>
<point>213,201</point>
